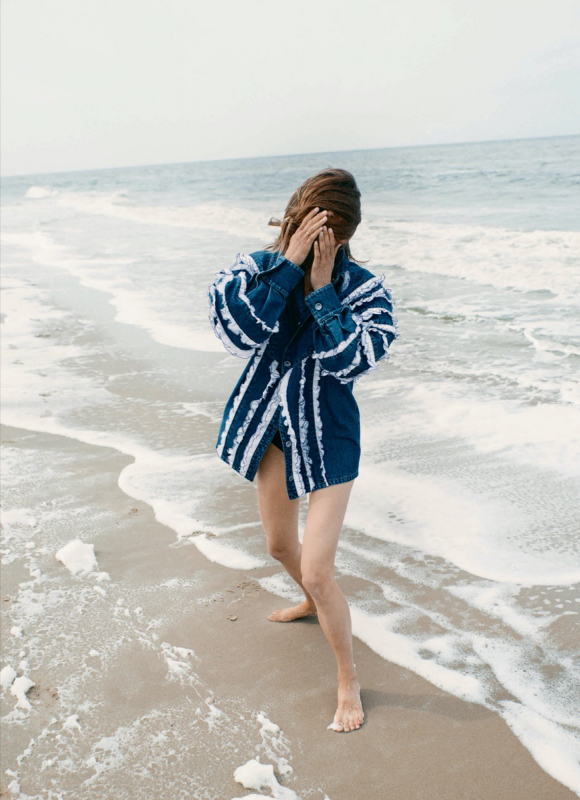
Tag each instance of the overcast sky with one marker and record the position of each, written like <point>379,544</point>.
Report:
<point>103,83</point>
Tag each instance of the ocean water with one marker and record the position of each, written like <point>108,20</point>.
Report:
<point>460,554</point>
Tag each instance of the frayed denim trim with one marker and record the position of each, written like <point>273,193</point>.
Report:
<point>324,484</point>
<point>266,440</point>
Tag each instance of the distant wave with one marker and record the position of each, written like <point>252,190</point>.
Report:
<point>522,260</point>
<point>205,216</point>
<point>38,192</point>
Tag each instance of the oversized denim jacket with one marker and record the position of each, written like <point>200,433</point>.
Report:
<point>305,354</point>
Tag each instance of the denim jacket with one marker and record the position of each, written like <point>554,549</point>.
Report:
<point>305,354</point>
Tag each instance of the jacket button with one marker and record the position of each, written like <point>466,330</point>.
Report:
<point>318,306</point>
<point>287,363</point>
<point>288,444</point>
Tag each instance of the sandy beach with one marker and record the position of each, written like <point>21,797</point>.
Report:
<point>168,662</point>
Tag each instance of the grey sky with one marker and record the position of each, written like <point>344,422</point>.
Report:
<point>104,83</point>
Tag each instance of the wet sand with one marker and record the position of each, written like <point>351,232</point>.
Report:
<point>145,686</point>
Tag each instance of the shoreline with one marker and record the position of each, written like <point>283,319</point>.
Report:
<point>169,657</point>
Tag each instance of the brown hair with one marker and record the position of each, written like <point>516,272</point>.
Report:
<point>331,189</point>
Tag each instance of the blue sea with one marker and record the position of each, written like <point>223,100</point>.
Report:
<point>460,555</point>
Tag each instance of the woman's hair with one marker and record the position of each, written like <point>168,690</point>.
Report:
<point>332,190</point>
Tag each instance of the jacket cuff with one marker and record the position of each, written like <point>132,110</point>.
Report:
<point>323,302</point>
<point>283,275</point>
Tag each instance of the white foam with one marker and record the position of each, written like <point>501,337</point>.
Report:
<point>545,435</point>
<point>17,516</point>
<point>377,632</point>
<point>180,667</point>
<point>135,305</point>
<point>484,255</point>
<point>274,743</point>
<point>555,750</point>
<point>175,486</point>
<point>39,192</point>
<point>19,688</point>
<point>170,484</point>
<point>281,585</point>
<point>225,554</point>
<point>71,723</point>
<point>213,216</point>
<point>78,557</point>
<point>471,531</point>
<point>255,775</point>
<point>252,796</point>
<point>7,676</point>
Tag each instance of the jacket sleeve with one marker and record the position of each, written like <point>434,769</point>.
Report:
<point>245,302</point>
<point>352,336</point>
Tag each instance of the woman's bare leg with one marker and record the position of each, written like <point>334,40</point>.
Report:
<point>279,517</point>
<point>326,510</point>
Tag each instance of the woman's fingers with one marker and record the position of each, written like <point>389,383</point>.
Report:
<point>325,245</point>
<point>310,214</point>
<point>328,242</point>
<point>309,217</point>
<point>316,254</point>
<point>312,222</point>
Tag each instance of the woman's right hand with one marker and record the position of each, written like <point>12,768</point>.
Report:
<point>302,239</point>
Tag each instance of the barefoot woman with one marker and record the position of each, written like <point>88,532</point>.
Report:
<point>311,321</point>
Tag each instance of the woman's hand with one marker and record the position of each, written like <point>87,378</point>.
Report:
<point>301,240</point>
<point>325,250</point>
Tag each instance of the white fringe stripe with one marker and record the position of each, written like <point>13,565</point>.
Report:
<point>341,346</point>
<point>221,332</point>
<point>227,315</point>
<point>365,287</point>
<point>303,424</point>
<point>380,292</point>
<point>317,419</point>
<point>244,266</point>
<point>274,375</point>
<point>242,293</point>
<point>226,277</point>
<point>260,430</point>
<point>298,482</point>
<point>238,399</point>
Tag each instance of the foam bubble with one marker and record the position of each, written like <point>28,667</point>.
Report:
<point>78,557</point>
<point>255,775</point>
<point>7,676</point>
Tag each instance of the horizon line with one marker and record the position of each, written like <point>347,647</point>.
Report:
<point>289,155</point>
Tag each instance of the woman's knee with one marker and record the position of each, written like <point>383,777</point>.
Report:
<point>281,549</point>
<point>317,581</point>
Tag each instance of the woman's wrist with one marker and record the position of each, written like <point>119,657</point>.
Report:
<point>294,258</point>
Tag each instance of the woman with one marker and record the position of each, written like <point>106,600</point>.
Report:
<point>311,321</point>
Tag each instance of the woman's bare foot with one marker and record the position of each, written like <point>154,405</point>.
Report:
<point>349,714</point>
<point>303,609</point>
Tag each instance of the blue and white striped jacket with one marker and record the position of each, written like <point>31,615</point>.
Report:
<point>305,354</point>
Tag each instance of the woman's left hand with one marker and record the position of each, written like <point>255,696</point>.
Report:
<point>325,249</point>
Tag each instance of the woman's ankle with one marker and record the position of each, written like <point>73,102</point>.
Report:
<point>347,676</point>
